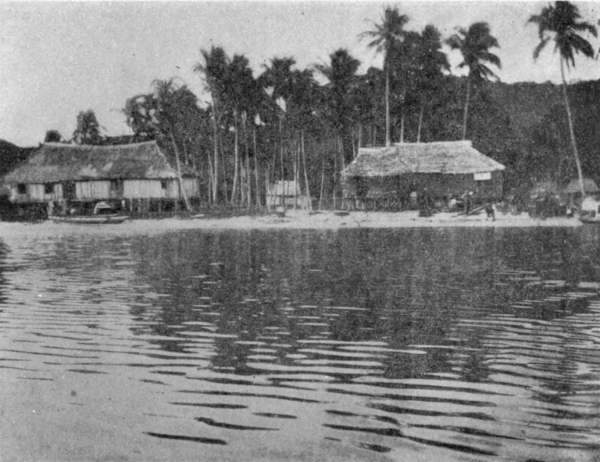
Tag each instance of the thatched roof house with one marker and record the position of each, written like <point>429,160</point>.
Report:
<point>444,168</point>
<point>56,162</point>
<point>57,171</point>
<point>447,157</point>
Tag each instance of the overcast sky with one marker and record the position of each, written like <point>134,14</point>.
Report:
<point>59,58</point>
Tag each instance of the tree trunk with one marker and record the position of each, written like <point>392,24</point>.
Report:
<point>256,167</point>
<point>322,183</point>
<point>215,172</point>
<point>296,173</point>
<point>179,178</point>
<point>420,122</point>
<point>306,188</point>
<point>571,131</point>
<point>466,112</point>
<point>209,192</point>
<point>281,163</point>
<point>388,140</point>
<point>402,126</point>
<point>248,177</point>
<point>235,159</point>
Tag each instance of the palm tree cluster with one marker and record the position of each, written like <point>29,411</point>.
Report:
<point>305,125</point>
<point>295,124</point>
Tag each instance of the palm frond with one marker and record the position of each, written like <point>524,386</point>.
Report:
<point>581,45</point>
<point>585,27</point>
<point>540,46</point>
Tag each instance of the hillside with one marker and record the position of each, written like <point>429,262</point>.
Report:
<point>11,155</point>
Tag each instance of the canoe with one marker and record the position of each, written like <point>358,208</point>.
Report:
<point>90,219</point>
<point>589,219</point>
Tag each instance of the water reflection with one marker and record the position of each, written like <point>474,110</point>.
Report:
<point>475,343</point>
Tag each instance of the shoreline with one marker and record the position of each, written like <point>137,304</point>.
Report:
<point>294,220</point>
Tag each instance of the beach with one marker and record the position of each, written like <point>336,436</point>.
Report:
<point>293,219</point>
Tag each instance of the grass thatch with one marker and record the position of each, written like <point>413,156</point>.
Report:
<point>55,162</point>
<point>450,157</point>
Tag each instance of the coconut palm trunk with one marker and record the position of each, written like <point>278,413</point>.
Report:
<point>179,177</point>
<point>466,110</point>
<point>571,131</point>
<point>215,169</point>
<point>420,124</point>
<point>388,139</point>
<point>307,190</point>
<point>256,173</point>
<point>236,156</point>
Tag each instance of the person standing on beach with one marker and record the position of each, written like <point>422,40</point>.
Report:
<point>490,212</point>
<point>468,202</point>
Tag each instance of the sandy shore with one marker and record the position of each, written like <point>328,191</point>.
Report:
<point>292,220</point>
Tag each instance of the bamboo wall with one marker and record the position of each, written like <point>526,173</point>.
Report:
<point>36,193</point>
<point>143,189</point>
<point>90,190</point>
<point>190,186</point>
<point>101,190</point>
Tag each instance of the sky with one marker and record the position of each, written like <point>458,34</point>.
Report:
<point>57,59</point>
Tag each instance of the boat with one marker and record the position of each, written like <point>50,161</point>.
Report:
<point>90,219</point>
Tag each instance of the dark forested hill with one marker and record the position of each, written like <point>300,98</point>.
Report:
<point>11,155</point>
<point>524,126</point>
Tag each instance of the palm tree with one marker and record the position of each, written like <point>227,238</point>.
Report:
<point>560,23</point>
<point>279,79</point>
<point>214,69</point>
<point>341,74</point>
<point>384,37</point>
<point>432,62</point>
<point>238,85</point>
<point>474,45</point>
<point>167,95</point>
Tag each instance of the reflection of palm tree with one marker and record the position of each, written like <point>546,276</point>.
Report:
<point>384,37</point>
<point>474,45</point>
<point>560,22</point>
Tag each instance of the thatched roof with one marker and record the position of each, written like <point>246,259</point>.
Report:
<point>544,188</point>
<point>589,186</point>
<point>55,162</point>
<point>450,157</point>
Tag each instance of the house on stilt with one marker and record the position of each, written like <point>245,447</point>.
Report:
<point>135,178</point>
<point>388,177</point>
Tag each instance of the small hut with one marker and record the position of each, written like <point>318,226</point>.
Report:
<point>573,190</point>
<point>386,177</point>
<point>286,194</point>
<point>137,177</point>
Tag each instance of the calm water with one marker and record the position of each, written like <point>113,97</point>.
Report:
<point>352,345</point>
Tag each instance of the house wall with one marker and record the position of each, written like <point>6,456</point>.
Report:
<point>35,192</point>
<point>143,189</point>
<point>90,190</point>
<point>101,190</point>
<point>438,185</point>
<point>190,186</point>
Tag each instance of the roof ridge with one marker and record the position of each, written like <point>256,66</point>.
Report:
<point>101,146</point>
<point>429,143</point>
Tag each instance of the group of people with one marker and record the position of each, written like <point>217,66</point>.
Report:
<point>470,204</point>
